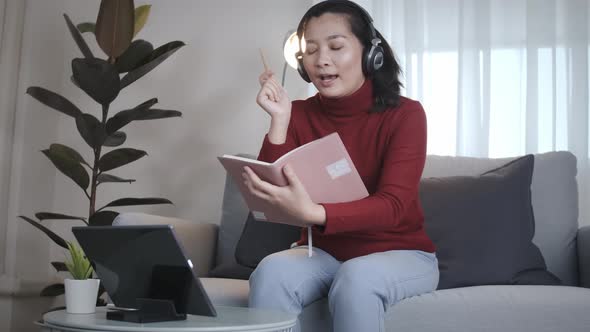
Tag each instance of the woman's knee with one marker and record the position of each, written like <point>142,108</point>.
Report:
<point>270,269</point>
<point>286,280</point>
<point>352,279</point>
<point>268,285</point>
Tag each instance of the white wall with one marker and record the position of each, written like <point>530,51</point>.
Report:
<point>31,182</point>
<point>212,80</point>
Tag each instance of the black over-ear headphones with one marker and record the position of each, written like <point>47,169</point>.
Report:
<point>373,57</point>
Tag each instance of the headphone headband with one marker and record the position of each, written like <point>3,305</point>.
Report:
<point>364,14</point>
<point>372,57</point>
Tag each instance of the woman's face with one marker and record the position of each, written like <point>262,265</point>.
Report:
<point>333,55</point>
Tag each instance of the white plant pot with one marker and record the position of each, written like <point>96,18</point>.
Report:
<point>81,295</point>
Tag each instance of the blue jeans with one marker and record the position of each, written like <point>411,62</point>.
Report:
<point>359,290</point>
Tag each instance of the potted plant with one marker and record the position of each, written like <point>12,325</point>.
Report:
<point>81,290</point>
<point>103,79</point>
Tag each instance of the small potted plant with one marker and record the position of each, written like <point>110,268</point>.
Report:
<point>81,291</point>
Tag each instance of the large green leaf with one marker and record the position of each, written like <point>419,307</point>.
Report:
<point>91,130</point>
<point>104,177</point>
<point>73,80</point>
<point>103,218</point>
<point>101,289</point>
<point>78,38</point>
<point>100,302</point>
<point>134,55</point>
<point>156,113</point>
<point>141,16</point>
<point>122,118</point>
<point>56,216</point>
<point>114,26</point>
<point>54,237</point>
<point>68,166</point>
<point>68,152</point>
<point>118,158</point>
<point>115,139</point>
<point>152,61</point>
<point>54,101</point>
<point>50,310</point>
<point>53,290</point>
<point>86,27</point>
<point>59,266</point>
<point>137,201</point>
<point>98,78</point>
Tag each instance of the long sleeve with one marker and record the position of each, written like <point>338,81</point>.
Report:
<point>270,152</point>
<point>397,188</point>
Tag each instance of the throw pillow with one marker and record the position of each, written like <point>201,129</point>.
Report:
<point>262,238</point>
<point>483,227</point>
<point>231,271</point>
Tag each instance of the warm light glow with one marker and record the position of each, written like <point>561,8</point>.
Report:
<point>291,47</point>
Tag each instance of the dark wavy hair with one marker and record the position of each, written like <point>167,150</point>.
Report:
<point>386,82</point>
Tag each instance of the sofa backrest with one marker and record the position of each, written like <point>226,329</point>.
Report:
<point>233,217</point>
<point>554,199</point>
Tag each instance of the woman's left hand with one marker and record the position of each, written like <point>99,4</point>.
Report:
<point>292,199</point>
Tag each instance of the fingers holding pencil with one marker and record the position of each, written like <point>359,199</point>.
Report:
<point>267,81</point>
<point>268,73</point>
<point>272,97</point>
<point>264,63</point>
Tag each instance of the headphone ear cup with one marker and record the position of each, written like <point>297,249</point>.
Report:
<point>378,58</point>
<point>367,70</point>
<point>301,69</point>
<point>373,60</point>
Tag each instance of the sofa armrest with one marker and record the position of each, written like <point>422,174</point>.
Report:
<point>198,239</point>
<point>583,240</point>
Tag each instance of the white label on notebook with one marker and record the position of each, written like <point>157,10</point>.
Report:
<point>339,168</point>
<point>259,216</point>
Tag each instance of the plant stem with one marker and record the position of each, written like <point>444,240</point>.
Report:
<point>105,111</point>
<point>97,150</point>
<point>93,182</point>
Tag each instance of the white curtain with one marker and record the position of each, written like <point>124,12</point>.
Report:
<point>11,28</point>
<point>497,78</point>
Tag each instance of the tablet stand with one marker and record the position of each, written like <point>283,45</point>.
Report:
<point>149,311</point>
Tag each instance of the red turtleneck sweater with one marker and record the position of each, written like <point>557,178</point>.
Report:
<point>388,149</point>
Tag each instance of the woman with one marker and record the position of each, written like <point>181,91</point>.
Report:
<point>371,253</point>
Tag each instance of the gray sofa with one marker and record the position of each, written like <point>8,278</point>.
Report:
<point>565,247</point>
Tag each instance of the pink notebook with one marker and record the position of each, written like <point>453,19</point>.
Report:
<point>323,166</point>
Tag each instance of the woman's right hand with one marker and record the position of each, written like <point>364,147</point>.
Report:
<point>273,98</point>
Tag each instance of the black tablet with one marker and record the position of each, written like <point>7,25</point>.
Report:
<point>142,266</point>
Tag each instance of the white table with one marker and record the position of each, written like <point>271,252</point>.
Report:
<point>228,319</point>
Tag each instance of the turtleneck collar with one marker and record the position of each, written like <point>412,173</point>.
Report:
<point>357,103</point>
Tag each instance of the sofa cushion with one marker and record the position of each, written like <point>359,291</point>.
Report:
<point>227,292</point>
<point>231,271</point>
<point>584,255</point>
<point>554,199</point>
<point>494,308</point>
<point>483,227</point>
<point>233,215</point>
<point>478,308</point>
<point>261,238</point>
